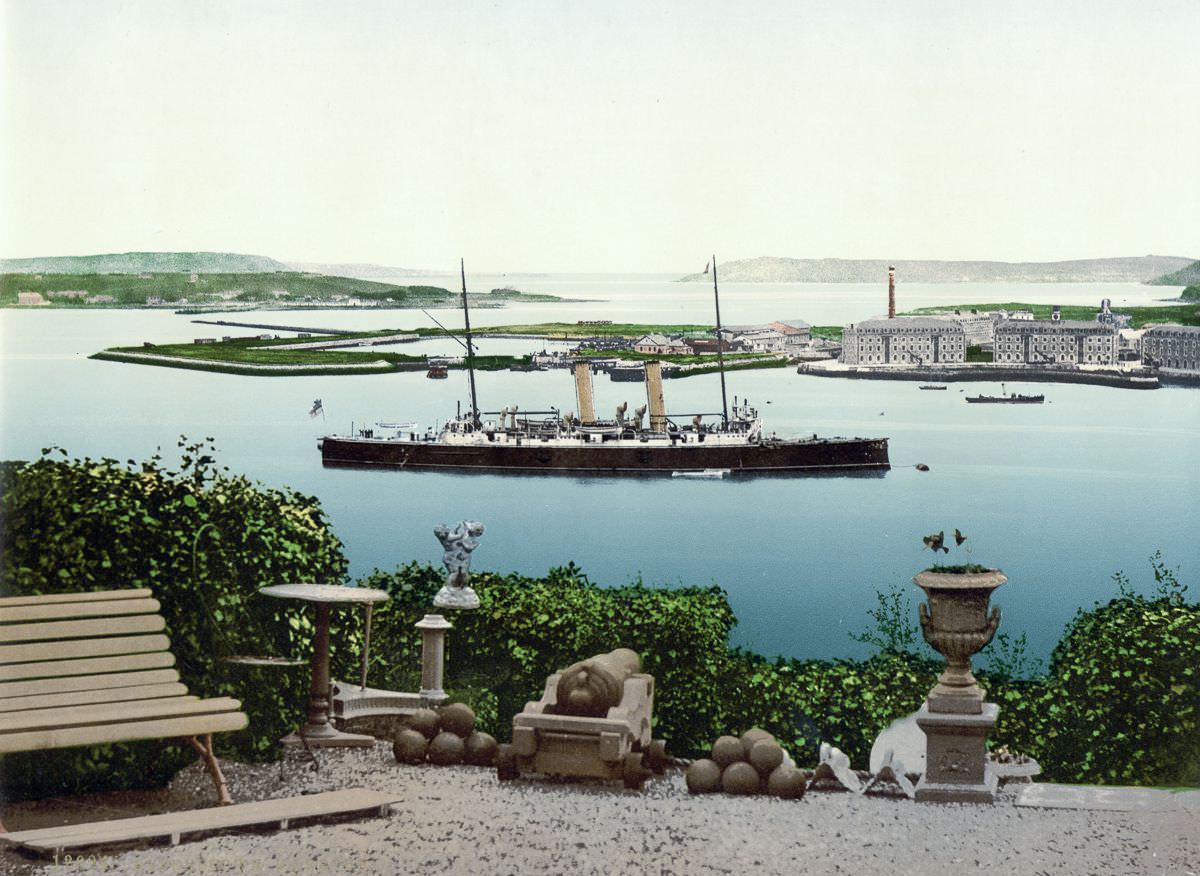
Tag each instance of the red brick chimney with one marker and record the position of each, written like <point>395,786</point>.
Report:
<point>891,291</point>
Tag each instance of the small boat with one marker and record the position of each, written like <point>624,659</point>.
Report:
<point>437,372</point>
<point>933,386</point>
<point>705,473</point>
<point>1011,398</point>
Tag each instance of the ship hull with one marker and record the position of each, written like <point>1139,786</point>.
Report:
<point>799,457</point>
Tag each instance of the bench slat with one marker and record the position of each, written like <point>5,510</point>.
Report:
<point>91,595</point>
<point>108,713</point>
<point>72,649</point>
<point>86,697</point>
<point>87,682</point>
<point>82,629</point>
<point>69,737</point>
<point>89,666</point>
<point>289,809</point>
<point>63,610</point>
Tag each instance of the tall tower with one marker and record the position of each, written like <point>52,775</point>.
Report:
<point>891,291</point>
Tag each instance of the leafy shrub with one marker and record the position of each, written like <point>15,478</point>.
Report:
<point>204,542</point>
<point>528,628</point>
<point>1122,704</point>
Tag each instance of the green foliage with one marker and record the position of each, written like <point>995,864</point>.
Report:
<point>204,542</point>
<point>1123,697</point>
<point>960,569</point>
<point>1120,702</point>
<point>1139,316</point>
<point>1191,293</point>
<point>978,354</point>
<point>894,632</point>
<point>528,628</point>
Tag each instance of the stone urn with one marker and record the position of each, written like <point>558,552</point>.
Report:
<point>954,718</point>
<point>957,625</point>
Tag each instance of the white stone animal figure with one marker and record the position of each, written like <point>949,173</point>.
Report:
<point>835,766</point>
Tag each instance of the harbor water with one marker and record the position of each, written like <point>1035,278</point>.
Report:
<point>1060,496</point>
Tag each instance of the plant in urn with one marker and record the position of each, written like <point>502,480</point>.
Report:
<point>956,720</point>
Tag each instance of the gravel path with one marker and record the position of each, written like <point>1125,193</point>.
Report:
<point>461,820</point>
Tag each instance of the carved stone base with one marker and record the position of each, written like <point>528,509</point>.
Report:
<point>956,768</point>
<point>456,597</point>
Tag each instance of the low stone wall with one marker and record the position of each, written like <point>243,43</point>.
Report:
<point>986,373</point>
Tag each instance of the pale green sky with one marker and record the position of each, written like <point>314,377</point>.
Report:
<point>606,136</point>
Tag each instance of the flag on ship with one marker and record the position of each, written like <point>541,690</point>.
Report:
<point>707,266</point>
<point>317,408</point>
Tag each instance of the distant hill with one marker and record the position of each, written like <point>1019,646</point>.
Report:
<point>359,270</point>
<point>1191,293</point>
<point>145,263</point>
<point>1138,269</point>
<point>1185,276</point>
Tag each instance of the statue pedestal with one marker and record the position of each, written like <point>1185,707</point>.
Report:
<point>456,597</point>
<point>956,769</point>
<point>433,650</point>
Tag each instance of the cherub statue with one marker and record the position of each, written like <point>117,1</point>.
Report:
<point>458,545</point>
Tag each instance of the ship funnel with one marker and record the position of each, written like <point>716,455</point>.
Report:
<point>583,389</point>
<point>654,396</point>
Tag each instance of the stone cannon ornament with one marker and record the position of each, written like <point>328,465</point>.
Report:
<point>593,720</point>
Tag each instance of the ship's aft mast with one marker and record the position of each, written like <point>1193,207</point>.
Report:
<point>470,347</point>
<point>720,349</point>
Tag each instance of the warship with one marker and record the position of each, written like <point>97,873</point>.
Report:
<point>510,440</point>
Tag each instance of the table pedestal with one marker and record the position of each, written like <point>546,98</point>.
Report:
<point>317,732</point>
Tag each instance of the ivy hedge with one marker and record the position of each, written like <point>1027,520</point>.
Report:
<point>204,541</point>
<point>1119,702</point>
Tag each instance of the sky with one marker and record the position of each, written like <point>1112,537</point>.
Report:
<point>600,136</point>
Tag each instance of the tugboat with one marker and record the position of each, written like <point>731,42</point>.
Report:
<point>1006,399</point>
<point>550,441</point>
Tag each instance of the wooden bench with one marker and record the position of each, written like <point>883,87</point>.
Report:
<point>94,668</point>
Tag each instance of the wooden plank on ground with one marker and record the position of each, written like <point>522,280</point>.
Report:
<point>64,610</point>
<point>174,825</point>
<point>87,697</point>
<point>89,666</point>
<point>110,713</point>
<point>82,629</point>
<point>90,596</point>
<point>109,681</point>
<point>75,648</point>
<point>68,737</point>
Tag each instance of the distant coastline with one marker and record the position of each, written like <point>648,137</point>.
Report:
<point>768,269</point>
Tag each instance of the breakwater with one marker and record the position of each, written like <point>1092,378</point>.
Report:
<point>276,328</point>
<point>986,373</point>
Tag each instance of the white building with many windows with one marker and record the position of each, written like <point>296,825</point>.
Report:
<point>904,340</point>
<point>1174,347</point>
<point>1055,342</point>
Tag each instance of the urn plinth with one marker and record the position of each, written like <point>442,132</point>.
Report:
<point>957,625</point>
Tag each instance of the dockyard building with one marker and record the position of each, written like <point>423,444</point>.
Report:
<point>796,332</point>
<point>654,344</point>
<point>905,340</point>
<point>1175,347</point>
<point>1055,342</point>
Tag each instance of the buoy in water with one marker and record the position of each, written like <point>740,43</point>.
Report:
<point>920,466</point>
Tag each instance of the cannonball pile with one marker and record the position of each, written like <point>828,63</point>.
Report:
<point>444,737</point>
<point>753,764</point>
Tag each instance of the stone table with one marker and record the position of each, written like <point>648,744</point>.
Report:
<point>318,732</point>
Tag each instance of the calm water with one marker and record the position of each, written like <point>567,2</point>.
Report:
<point>1060,495</point>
